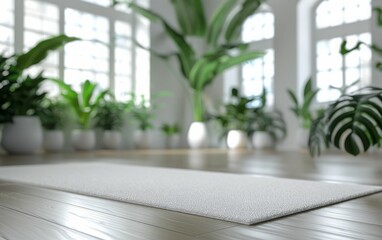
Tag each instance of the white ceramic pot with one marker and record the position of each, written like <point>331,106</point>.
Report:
<point>302,137</point>
<point>262,140</point>
<point>54,140</point>
<point>237,139</point>
<point>83,140</point>
<point>197,136</point>
<point>141,139</point>
<point>23,136</point>
<point>112,139</point>
<point>172,141</point>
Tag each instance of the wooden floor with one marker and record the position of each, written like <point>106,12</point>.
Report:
<point>28,212</point>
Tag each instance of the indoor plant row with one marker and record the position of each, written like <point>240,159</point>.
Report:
<point>21,95</point>
<point>245,117</point>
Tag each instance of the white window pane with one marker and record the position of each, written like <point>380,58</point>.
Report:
<point>7,27</point>
<point>353,59</point>
<point>331,13</point>
<point>257,74</point>
<point>259,26</point>
<point>123,87</point>
<point>87,59</point>
<point>6,35</point>
<point>352,75</point>
<point>40,22</point>
<point>6,18</point>
<point>105,3</point>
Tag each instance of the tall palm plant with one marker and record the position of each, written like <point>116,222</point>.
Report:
<point>221,34</point>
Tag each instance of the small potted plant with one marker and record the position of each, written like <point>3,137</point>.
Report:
<point>171,131</point>
<point>265,126</point>
<point>20,96</point>
<point>237,116</point>
<point>54,116</point>
<point>84,104</point>
<point>142,114</point>
<point>109,118</point>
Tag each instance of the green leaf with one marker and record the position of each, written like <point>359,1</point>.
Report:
<point>378,11</point>
<point>344,50</point>
<point>186,54</point>
<point>190,16</point>
<point>305,109</point>
<point>87,92</point>
<point>218,21</point>
<point>231,61</point>
<point>308,87</point>
<point>248,8</point>
<point>293,97</point>
<point>41,51</point>
<point>353,121</point>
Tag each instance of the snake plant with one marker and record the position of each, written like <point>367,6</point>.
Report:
<point>221,34</point>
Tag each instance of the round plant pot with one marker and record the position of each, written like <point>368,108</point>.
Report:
<point>302,137</point>
<point>262,140</point>
<point>23,136</point>
<point>141,139</point>
<point>112,139</point>
<point>83,140</point>
<point>237,139</point>
<point>197,136</point>
<point>172,141</point>
<point>54,140</point>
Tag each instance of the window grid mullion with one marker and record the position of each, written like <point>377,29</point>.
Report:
<point>112,38</point>
<point>19,26</point>
<point>61,61</point>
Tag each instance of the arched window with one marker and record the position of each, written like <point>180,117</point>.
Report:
<point>259,73</point>
<point>335,21</point>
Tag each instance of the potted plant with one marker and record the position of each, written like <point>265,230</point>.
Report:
<point>84,105</point>
<point>171,131</point>
<point>142,114</point>
<point>20,96</point>
<point>221,38</point>
<point>54,117</point>
<point>236,118</point>
<point>302,110</point>
<point>266,127</point>
<point>110,118</point>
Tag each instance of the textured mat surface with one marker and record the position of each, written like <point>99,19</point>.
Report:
<point>237,198</point>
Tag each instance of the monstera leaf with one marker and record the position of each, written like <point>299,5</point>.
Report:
<point>353,123</point>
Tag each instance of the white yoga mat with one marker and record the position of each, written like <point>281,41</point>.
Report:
<point>232,197</point>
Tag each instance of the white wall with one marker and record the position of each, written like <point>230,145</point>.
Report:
<point>165,76</point>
